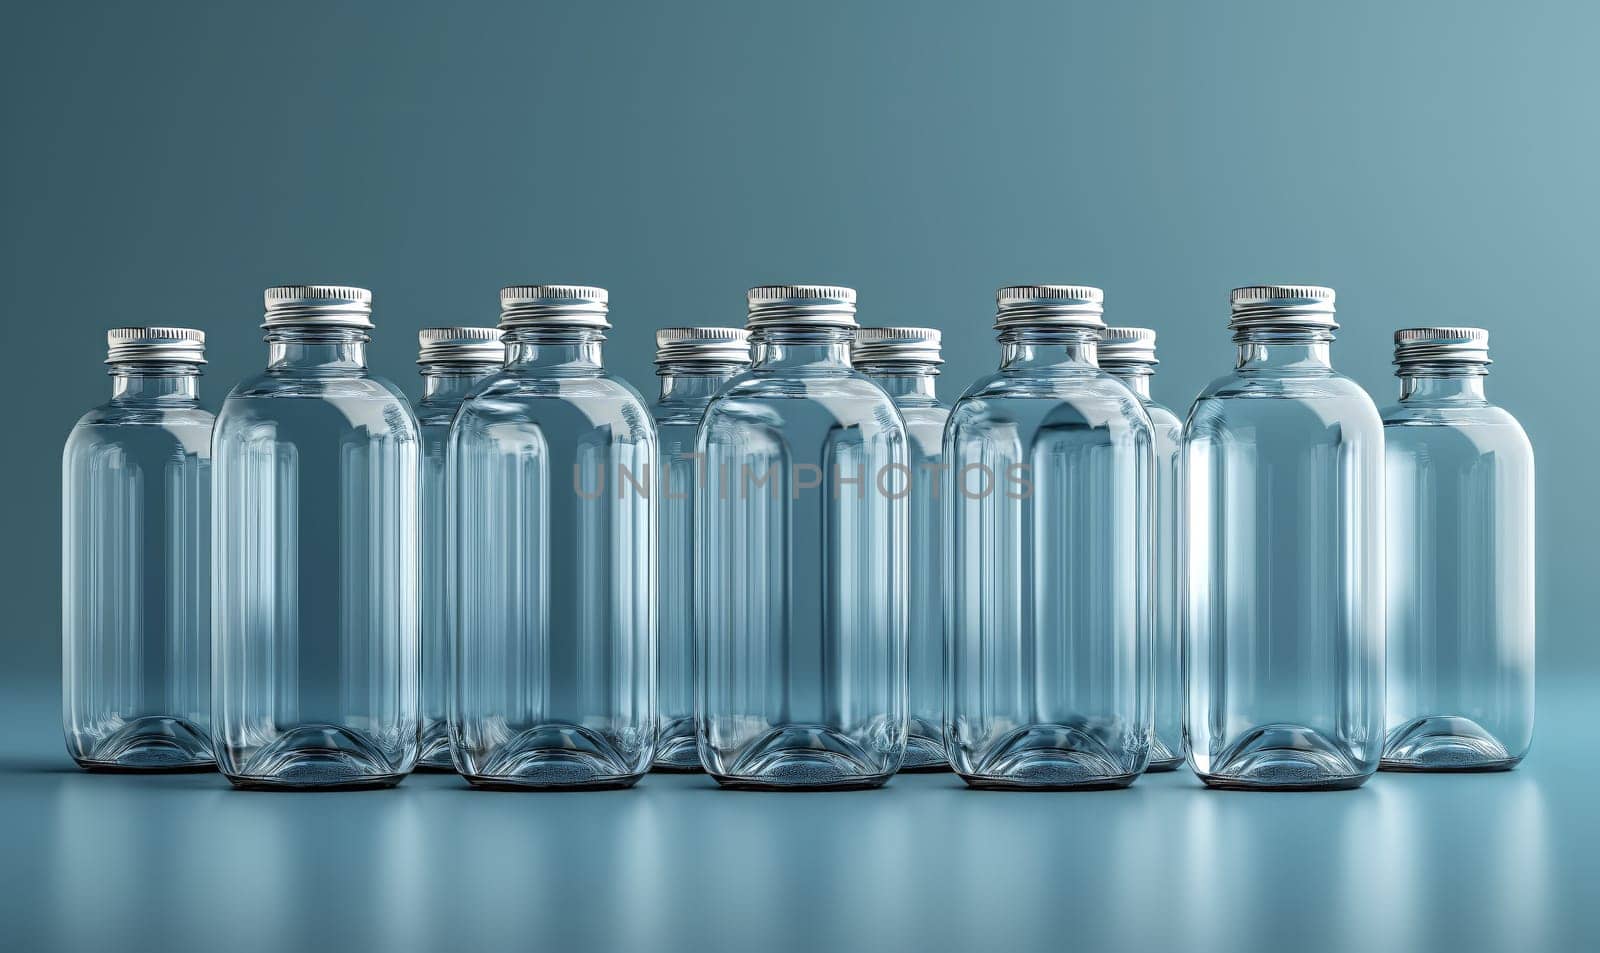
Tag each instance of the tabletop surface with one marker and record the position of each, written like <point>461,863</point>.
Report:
<point>1409,862</point>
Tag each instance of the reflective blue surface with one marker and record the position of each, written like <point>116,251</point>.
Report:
<point>676,864</point>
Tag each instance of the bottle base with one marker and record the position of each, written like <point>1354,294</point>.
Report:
<point>924,755</point>
<point>435,751</point>
<point>1445,743</point>
<point>862,783</point>
<point>1162,757</point>
<point>554,757</point>
<point>1285,758</point>
<point>677,754</point>
<point>153,744</point>
<point>367,783</point>
<point>1053,757</point>
<point>805,757</point>
<point>980,782</point>
<point>536,783</point>
<point>318,757</point>
<point>113,767</point>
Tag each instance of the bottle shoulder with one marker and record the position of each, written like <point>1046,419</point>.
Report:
<point>1300,385</point>
<point>580,404</point>
<point>304,403</point>
<point>1252,401</point>
<point>1089,399</point>
<point>1482,427</point>
<point>273,385</point>
<point>1161,415</point>
<point>678,412</point>
<point>186,426</point>
<point>851,398</point>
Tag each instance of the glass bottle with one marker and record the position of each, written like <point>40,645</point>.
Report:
<point>1129,354</point>
<point>800,545</point>
<point>314,674</point>
<point>1460,562</point>
<point>136,562</point>
<point>1282,463</point>
<point>1049,487</point>
<point>452,360</point>
<point>551,468</point>
<point>905,362</point>
<point>693,364</point>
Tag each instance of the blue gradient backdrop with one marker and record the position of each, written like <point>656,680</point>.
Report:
<point>1433,161</point>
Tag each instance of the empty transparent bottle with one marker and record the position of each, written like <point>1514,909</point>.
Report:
<point>453,360</point>
<point>136,562</point>
<point>693,364</point>
<point>1129,354</point>
<point>801,558</point>
<point>1282,464</point>
<point>1460,562</point>
<point>314,667</point>
<point>905,363</point>
<point>551,469</point>
<point>1049,488</point>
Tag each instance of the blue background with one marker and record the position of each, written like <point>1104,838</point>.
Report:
<point>1432,161</point>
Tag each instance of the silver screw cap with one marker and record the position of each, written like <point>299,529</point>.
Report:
<point>1071,306</point>
<point>1127,346</point>
<point>1309,306</point>
<point>903,345</point>
<point>338,306</point>
<point>1441,346</point>
<point>820,305</point>
<point>576,306</point>
<point>720,345</point>
<point>155,346</point>
<point>460,345</point>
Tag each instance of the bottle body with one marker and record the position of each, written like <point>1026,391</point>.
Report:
<point>1129,354</point>
<point>552,468</point>
<point>446,386</point>
<point>686,390</point>
<point>136,584</point>
<point>1460,581</point>
<point>315,615</point>
<point>909,381</point>
<point>1050,471</point>
<point>1283,504</point>
<point>801,565</point>
<point>1166,659</point>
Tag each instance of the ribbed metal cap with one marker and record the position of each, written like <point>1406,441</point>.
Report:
<point>820,305</point>
<point>722,345</point>
<point>333,305</point>
<point>1441,346</point>
<point>1077,306</point>
<point>1295,305</point>
<point>460,346</point>
<point>155,345</point>
<point>1127,346</point>
<point>579,306</point>
<point>909,345</point>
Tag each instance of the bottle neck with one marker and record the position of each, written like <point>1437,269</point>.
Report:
<point>1454,383</point>
<point>564,350</point>
<point>1268,349</point>
<point>904,380</point>
<point>801,348</point>
<point>155,382</point>
<point>452,381</point>
<point>695,380</point>
<point>1039,348</point>
<point>328,349</point>
<point>1135,376</point>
